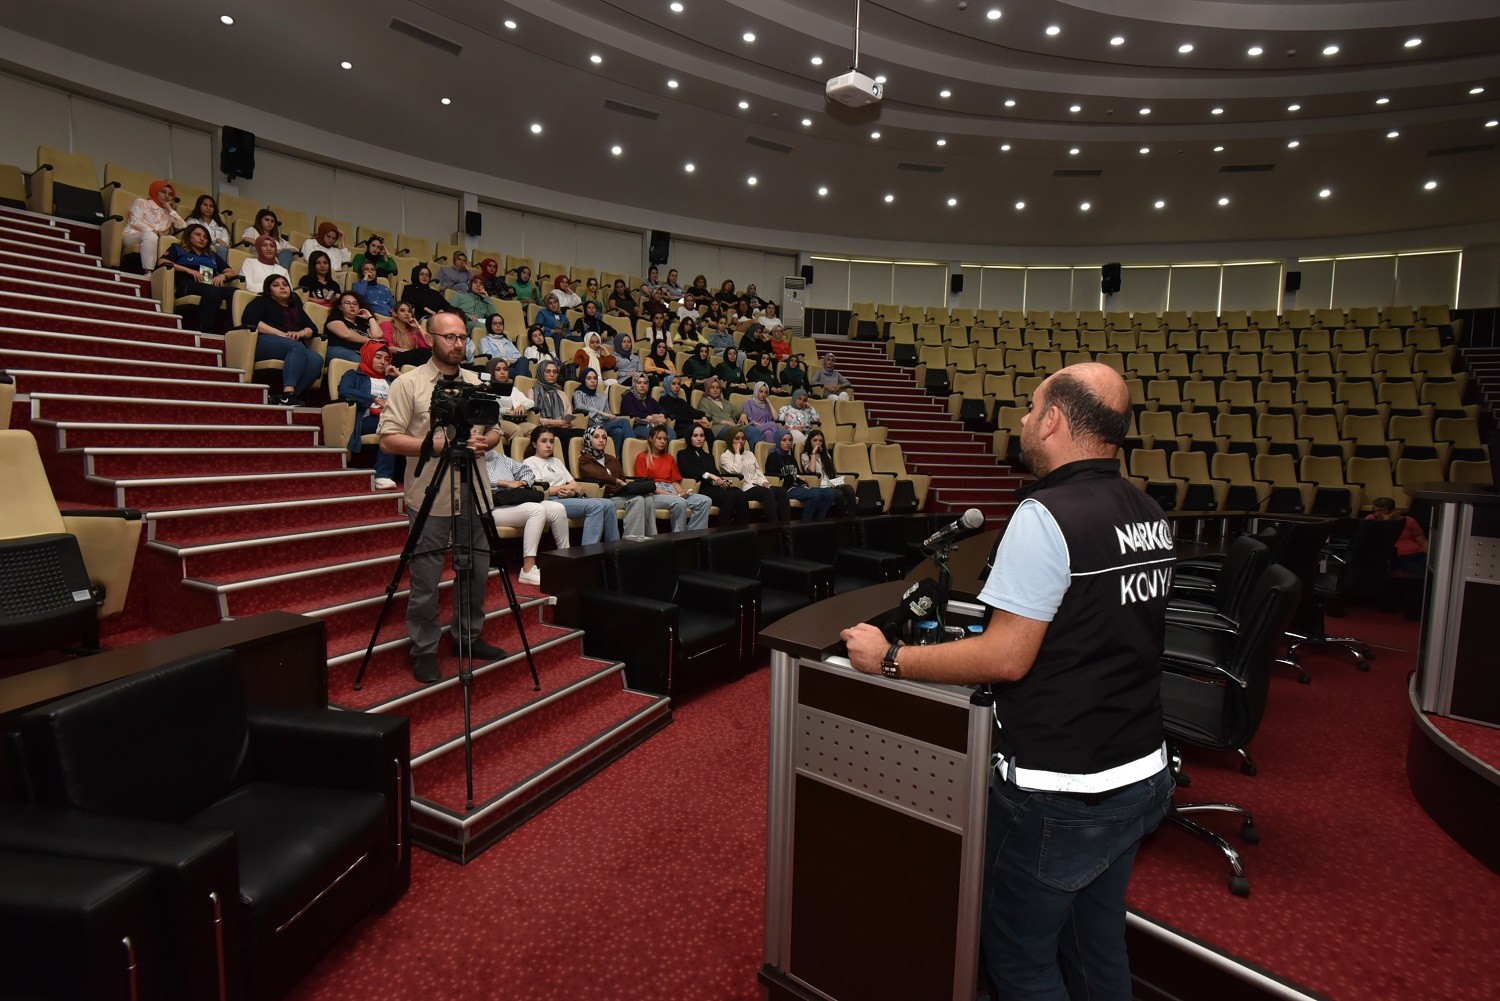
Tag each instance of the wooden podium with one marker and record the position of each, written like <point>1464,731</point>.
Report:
<point>877,798</point>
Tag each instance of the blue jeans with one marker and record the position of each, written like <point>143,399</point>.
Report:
<point>337,349</point>
<point>385,462</point>
<point>816,501</point>
<point>618,429</point>
<point>1056,868</point>
<point>600,519</point>
<point>643,431</point>
<point>301,365</point>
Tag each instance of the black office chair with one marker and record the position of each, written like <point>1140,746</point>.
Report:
<point>853,567</point>
<point>1218,601</point>
<point>1214,689</point>
<point>1360,567</point>
<point>786,585</point>
<point>887,534</point>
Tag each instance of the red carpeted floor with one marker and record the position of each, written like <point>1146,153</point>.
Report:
<point>648,881</point>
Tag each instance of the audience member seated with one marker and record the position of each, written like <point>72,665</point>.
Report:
<point>516,407</point>
<point>621,302</point>
<point>319,284</point>
<point>594,355</point>
<point>686,510</point>
<point>760,367</point>
<point>149,220</point>
<point>652,282</point>
<point>756,302</point>
<point>494,282</point>
<point>531,517</point>
<point>554,410</point>
<point>206,213</point>
<point>566,297</point>
<point>627,362</point>
<point>742,319</point>
<point>699,367</point>
<point>655,305</point>
<point>266,224</point>
<point>596,465</point>
<point>374,252</point>
<point>688,336</point>
<point>526,290</point>
<point>367,387</point>
<point>591,322</point>
<point>495,344</point>
<point>757,414</point>
<point>754,339</point>
<point>591,400</point>
<point>475,305</point>
<point>375,293</point>
<point>713,312</point>
<point>659,363</point>
<point>731,374</point>
<point>644,413</point>
<point>538,350</point>
<point>726,293</point>
<point>793,375</point>
<point>551,319</point>
<point>600,520</point>
<point>782,463</point>
<point>720,337</point>
<point>696,462</point>
<point>699,289</point>
<point>829,381</point>
<point>284,330</point>
<point>673,290</point>
<point>409,341</point>
<point>198,270</point>
<point>591,295</point>
<point>455,276</point>
<point>659,330</point>
<point>683,415</point>
<point>723,419</point>
<point>817,460</point>
<point>799,417</point>
<point>781,344</point>
<point>264,264</point>
<point>688,307</point>
<point>739,460</point>
<point>1411,545</point>
<point>328,240</point>
<point>425,300</point>
<point>350,327</point>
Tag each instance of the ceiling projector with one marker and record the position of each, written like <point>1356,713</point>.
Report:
<point>854,89</point>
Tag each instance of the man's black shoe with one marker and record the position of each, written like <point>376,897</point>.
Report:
<point>484,653</point>
<point>424,667</point>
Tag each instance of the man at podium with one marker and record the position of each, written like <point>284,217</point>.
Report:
<point>1078,597</point>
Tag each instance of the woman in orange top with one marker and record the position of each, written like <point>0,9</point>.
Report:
<point>687,510</point>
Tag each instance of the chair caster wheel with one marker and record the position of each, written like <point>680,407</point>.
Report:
<point>1239,886</point>
<point>1184,780</point>
<point>1249,768</point>
<point>1362,665</point>
<point>1304,679</point>
<point>1250,833</point>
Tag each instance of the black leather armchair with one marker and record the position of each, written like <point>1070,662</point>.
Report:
<point>887,534</point>
<point>268,832</point>
<point>675,630</point>
<point>785,584</point>
<point>1214,688</point>
<point>1359,567</point>
<point>853,567</point>
<point>1217,601</point>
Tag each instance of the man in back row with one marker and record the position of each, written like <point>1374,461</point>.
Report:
<point>1078,599</point>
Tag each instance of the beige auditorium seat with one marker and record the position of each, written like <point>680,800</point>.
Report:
<point>57,166</point>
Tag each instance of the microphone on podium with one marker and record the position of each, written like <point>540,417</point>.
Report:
<point>918,602</point>
<point>971,522</point>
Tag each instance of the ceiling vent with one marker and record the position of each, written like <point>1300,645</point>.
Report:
<point>1246,168</point>
<point>630,109</point>
<point>1460,150</point>
<point>922,168</point>
<point>774,147</point>
<point>1078,172</point>
<point>426,37</point>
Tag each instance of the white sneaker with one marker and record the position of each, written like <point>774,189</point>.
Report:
<point>532,577</point>
<point>384,483</point>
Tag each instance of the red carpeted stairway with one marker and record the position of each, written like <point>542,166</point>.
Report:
<point>249,510</point>
<point>965,472</point>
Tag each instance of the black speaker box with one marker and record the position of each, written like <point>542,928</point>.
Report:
<point>807,273</point>
<point>1294,281</point>
<point>1109,279</point>
<point>661,246</point>
<point>236,153</point>
<point>473,224</point>
<point>955,284</point>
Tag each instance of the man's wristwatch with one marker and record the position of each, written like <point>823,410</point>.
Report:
<point>888,665</point>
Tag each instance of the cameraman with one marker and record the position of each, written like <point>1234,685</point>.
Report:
<point>404,424</point>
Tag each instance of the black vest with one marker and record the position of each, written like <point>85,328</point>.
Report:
<point>1092,700</point>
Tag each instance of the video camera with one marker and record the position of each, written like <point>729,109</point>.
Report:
<point>464,405</point>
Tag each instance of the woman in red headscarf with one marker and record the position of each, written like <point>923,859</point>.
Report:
<point>494,282</point>
<point>367,387</point>
<point>150,219</point>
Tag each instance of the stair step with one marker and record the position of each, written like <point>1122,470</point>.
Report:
<point>106,409</point>
<point>112,367</point>
<point>43,240</point>
<point>25,221</point>
<point>350,624</point>
<point>120,295</point>
<point>90,271</point>
<point>28,319</point>
<point>155,463</point>
<point>92,346</point>
<point>77,434</point>
<point>162,389</point>
<point>146,315</point>
<point>31,246</point>
<point>219,523</point>
<point>240,560</point>
<point>195,491</point>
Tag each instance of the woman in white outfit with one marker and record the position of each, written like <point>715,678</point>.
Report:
<point>600,521</point>
<point>531,518</point>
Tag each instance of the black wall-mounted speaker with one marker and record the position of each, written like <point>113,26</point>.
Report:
<point>236,153</point>
<point>1109,279</point>
<point>955,284</point>
<point>473,224</point>
<point>807,273</point>
<point>661,246</point>
<point>1294,281</point>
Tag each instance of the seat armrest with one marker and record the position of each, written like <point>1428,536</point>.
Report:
<point>869,563</point>
<point>108,540</point>
<point>1203,566</point>
<point>1214,672</point>
<point>330,749</point>
<point>719,593</point>
<point>813,579</point>
<point>1200,619</point>
<point>639,631</point>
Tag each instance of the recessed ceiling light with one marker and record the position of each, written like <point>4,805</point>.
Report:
<point>952,202</point>
<point>1430,185</point>
<point>817,60</point>
<point>1393,134</point>
<point>744,105</point>
<point>1223,201</point>
<point>1073,151</point>
<point>1325,193</point>
<point>1294,143</point>
<point>596,59</point>
<point>1330,50</point>
<point>945,93</point>
<point>874,135</point>
<point>1294,107</point>
<point>880,80</point>
<point>676,8</point>
<point>1382,100</point>
<point>942,142</point>
<point>672,84</point>
<point>992,14</point>
<point>1218,149</point>
<point>1053,30</point>
<point>689,167</point>
<point>1476,90</point>
<point>346,64</point>
<point>752,180</point>
<point>1160,204</point>
<point>1145,111</point>
<point>510,25</point>
<point>446,101</point>
<point>1145,150</point>
<point>1492,123</point>
<point>1185,48</point>
<point>225,19</point>
<point>1412,43</point>
<point>536,128</point>
<point>1084,206</point>
<point>1117,40</point>
<point>1010,102</point>
<point>1254,50</point>
<point>1005,147</point>
<point>1076,108</point>
<point>748,36</point>
<point>806,122</point>
<point>889,199</point>
<point>1217,111</point>
<point>616,150</point>
<point>1020,206</point>
<point>822,192</point>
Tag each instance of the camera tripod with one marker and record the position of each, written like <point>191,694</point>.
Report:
<point>456,461</point>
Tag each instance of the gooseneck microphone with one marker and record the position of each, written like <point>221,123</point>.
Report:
<point>969,523</point>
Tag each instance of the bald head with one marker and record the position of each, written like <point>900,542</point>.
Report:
<point>1095,402</point>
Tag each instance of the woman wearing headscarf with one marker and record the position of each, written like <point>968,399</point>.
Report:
<point>367,387</point>
<point>597,465</point>
<point>591,400</point>
<point>659,363</point>
<point>686,510</point>
<point>264,264</point>
<point>198,270</point>
<point>830,380</point>
<point>798,417</point>
<point>682,414</point>
<point>731,375</point>
<point>328,240</point>
<point>781,344</point>
<point>590,322</point>
<point>758,415</point>
<point>526,289</point>
<point>696,462</point>
<point>375,293</point>
<point>554,410</point>
<point>284,330</point>
<point>643,412</point>
<point>753,337</point>
<point>552,320</point>
<point>761,367</point>
<point>475,304</point>
<point>531,518</point>
<point>593,355</point>
<point>739,460</point>
<point>318,285</point>
<point>266,224</point>
<point>374,252</point>
<point>424,299</point>
<point>206,214</point>
<point>494,282</point>
<point>601,523</point>
<point>782,464</point>
<point>699,367</point>
<point>455,276</point>
<point>409,343</point>
<point>754,299</point>
<point>627,362</point>
<point>723,419</point>
<point>566,297</point>
<point>350,327</point>
<point>591,295</point>
<point>793,375</point>
<point>496,344</point>
<point>817,460</point>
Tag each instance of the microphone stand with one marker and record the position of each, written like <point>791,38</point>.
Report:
<point>940,557</point>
